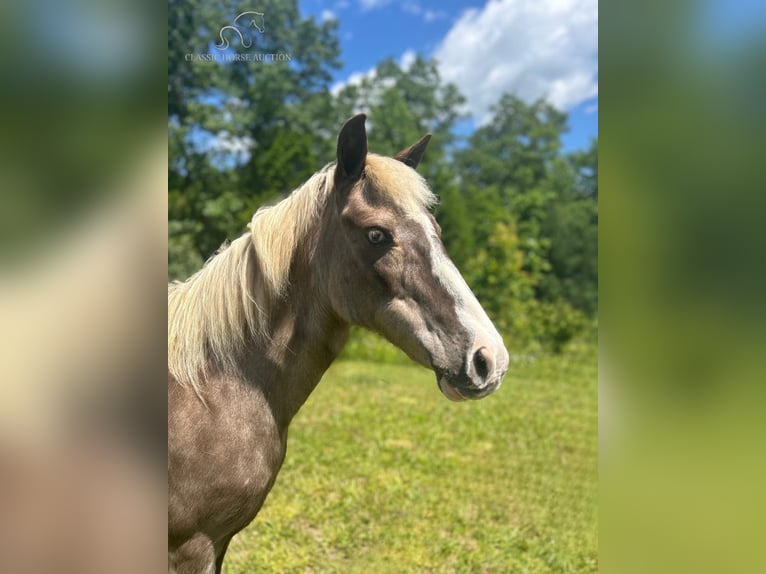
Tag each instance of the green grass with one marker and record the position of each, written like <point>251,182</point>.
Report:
<point>383,474</point>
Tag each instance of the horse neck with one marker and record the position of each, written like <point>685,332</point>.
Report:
<point>304,338</point>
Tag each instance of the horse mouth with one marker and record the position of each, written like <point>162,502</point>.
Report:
<point>449,391</point>
<point>458,394</point>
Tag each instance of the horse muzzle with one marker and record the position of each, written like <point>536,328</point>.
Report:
<point>458,393</point>
<point>480,375</point>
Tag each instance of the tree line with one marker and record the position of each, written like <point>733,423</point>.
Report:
<point>519,216</point>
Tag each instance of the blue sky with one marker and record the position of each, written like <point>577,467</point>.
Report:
<point>534,48</point>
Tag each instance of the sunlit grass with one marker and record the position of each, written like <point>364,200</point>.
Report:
<point>383,474</point>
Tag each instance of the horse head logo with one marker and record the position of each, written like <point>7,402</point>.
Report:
<point>245,22</point>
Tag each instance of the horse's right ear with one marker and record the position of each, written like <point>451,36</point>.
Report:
<point>352,150</point>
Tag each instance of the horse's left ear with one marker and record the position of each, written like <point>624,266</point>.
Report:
<point>413,154</point>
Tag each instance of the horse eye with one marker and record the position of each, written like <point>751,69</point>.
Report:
<point>376,236</point>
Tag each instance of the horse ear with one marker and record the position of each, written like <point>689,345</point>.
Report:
<point>352,149</point>
<point>413,154</point>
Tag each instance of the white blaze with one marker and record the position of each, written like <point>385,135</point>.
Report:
<point>469,311</point>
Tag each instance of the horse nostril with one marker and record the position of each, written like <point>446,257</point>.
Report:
<point>481,362</point>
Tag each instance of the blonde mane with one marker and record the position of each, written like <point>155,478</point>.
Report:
<point>218,310</point>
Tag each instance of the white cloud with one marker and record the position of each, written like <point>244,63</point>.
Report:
<point>372,4</point>
<point>416,9</point>
<point>533,48</point>
<point>405,62</point>
<point>407,59</point>
<point>431,15</point>
<point>223,141</point>
<point>327,15</point>
<point>412,8</point>
<point>353,80</point>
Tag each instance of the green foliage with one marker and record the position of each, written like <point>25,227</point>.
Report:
<point>572,226</point>
<point>457,225</point>
<point>403,105</point>
<point>518,217</point>
<point>499,279</point>
<point>384,474</point>
<point>555,324</point>
<point>514,150</point>
<point>573,256</point>
<point>275,113</point>
<point>506,281</point>
<point>534,222</point>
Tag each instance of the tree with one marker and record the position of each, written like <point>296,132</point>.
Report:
<point>497,276</point>
<point>535,222</point>
<point>515,149</point>
<point>241,132</point>
<point>572,226</point>
<point>506,175</point>
<point>403,104</point>
<point>457,225</point>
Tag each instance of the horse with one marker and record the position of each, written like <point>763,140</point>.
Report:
<point>251,334</point>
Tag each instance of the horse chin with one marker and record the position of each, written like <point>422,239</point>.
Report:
<point>449,391</point>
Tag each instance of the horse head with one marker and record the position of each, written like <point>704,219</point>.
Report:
<point>386,269</point>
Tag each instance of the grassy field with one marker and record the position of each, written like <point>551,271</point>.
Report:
<point>383,474</point>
